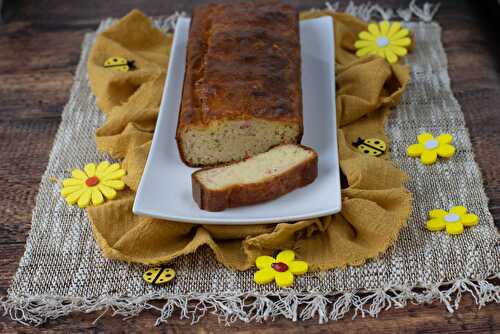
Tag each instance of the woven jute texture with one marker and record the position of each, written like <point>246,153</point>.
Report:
<point>63,271</point>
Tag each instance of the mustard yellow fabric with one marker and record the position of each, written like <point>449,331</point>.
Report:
<point>375,204</point>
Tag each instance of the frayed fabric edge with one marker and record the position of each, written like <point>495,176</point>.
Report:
<point>228,307</point>
<point>366,11</point>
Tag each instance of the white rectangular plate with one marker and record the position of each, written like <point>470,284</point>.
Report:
<point>165,188</point>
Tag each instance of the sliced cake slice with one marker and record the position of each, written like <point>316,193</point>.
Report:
<point>257,179</point>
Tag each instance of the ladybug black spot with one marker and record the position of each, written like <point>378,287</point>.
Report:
<point>148,274</point>
<point>114,59</point>
<point>376,142</point>
<point>366,151</point>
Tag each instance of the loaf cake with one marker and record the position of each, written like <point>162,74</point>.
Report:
<point>242,85</point>
<point>260,178</point>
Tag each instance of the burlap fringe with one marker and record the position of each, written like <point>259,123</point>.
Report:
<point>366,12</point>
<point>369,11</point>
<point>252,306</point>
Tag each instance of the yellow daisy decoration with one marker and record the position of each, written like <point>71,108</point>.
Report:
<point>429,148</point>
<point>453,221</point>
<point>282,269</point>
<point>93,184</point>
<point>387,40</point>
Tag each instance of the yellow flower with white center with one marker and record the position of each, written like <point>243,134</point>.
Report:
<point>453,221</point>
<point>93,184</point>
<point>387,40</point>
<point>282,269</point>
<point>429,148</point>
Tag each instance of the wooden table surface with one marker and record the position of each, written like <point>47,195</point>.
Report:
<point>39,50</point>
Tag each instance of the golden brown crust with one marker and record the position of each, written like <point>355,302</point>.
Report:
<point>243,61</point>
<point>240,195</point>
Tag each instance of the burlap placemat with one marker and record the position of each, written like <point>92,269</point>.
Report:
<point>62,270</point>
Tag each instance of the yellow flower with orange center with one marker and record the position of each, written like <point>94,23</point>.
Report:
<point>93,184</point>
<point>280,269</point>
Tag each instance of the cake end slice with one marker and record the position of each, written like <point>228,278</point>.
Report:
<point>260,178</point>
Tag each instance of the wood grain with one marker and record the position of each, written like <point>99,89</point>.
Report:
<point>39,50</point>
